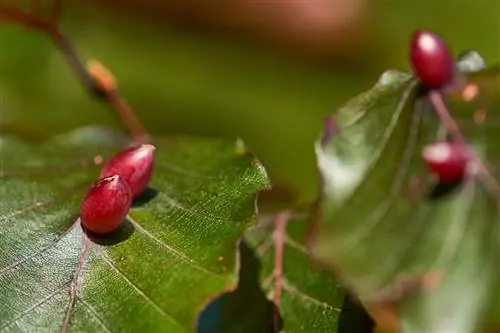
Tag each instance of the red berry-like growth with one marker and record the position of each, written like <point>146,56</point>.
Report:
<point>134,165</point>
<point>447,160</point>
<point>431,59</point>
<point>106,205</point>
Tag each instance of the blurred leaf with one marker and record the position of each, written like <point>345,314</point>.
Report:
<point>156,272</point>
<point>167,73</point>
<point>408,247</point>
<point>311,301</point>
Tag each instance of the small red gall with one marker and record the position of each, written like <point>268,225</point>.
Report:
<point>106,205</point>
<point>134,165</point>
<point>431,60</point>
<point>447,160</point>
<point>330,129</point>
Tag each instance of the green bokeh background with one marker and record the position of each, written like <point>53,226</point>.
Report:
<point>183,80</point>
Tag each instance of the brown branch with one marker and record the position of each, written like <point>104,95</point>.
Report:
<point>107,84</point>
<point>56,9</point>
<point>36,5</point>
<point>91,81</point>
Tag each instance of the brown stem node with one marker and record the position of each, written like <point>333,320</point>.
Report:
<point>97,79</point>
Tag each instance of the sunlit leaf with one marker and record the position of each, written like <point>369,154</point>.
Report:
<point>424,254</point>
<point>177,250</point>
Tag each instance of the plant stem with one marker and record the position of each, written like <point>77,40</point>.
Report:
<point>49,26</point>
<point>279,244</point>
<point>479,168</point>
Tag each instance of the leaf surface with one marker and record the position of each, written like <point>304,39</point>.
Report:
<point>311,301</point>
<point>177,249</point>
<point>423,254</point>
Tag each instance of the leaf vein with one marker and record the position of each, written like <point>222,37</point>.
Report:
<point>94,314</point>
<point>82,257</point>
<point>390,128</point>
<point>37,253</point>
<point>60,196</point>
<point>191,211</point>
<point>36,305</point>
<point>293,290</point>
<point>181,256</point>
<point>382,209</point>
<point>139,291</point>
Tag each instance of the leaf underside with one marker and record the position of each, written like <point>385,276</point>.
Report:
<point>310,301</point>
<point>425,251</point>
<point>176,250</point>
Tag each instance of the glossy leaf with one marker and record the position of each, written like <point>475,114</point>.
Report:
<point>175,252</point>
<point>422,255</point>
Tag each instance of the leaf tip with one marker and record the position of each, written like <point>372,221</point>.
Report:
<point>392,76</point>
<point>470,61</point>
<point>241,148</point>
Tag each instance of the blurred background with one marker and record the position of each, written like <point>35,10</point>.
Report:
<point>267,71</point>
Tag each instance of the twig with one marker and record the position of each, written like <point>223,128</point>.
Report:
<point>480,169</point>
<point>279,244</point>
<point>92,83</point>
<point>107,84</point>
<point>36,5</point>
<point>55,12</point>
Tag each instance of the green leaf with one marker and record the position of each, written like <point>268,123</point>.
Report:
<point>427,253</point>
<point>177,249</point>
<point>243,310</point>
<point>310,301</point>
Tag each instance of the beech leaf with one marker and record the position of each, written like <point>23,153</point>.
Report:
<point>175,252</point>
<point>422,256</point>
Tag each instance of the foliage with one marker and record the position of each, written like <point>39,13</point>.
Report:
<point>176,250</point>
<point>194,256</point>
<point>408,246</point>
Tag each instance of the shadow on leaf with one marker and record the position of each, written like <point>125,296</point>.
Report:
<point>146,196</point>
<point>442,189</point>
<point>354,318</point>
<point>244,310</point>
<point>121,234</point>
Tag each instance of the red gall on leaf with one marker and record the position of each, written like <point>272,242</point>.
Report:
<point>431,60</point>
<point>106,205</point>
<point>447,160</point>
<point>134,165</point>
<point>330,129</point>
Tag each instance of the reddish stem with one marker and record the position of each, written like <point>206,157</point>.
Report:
<point>56,10</point>
<point>479,168</point>
<point>49,27</point>
<point>127,116</point>
<point>279,242</point>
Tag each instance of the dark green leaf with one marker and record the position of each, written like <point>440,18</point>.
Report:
<point>176,251</point>
<point>428,252</point>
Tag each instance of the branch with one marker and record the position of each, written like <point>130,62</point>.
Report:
<point>96,80</point>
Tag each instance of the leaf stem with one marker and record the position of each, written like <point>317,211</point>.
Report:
<point>279,244</point>
<point>479,168</point>
<point>93,84</point>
